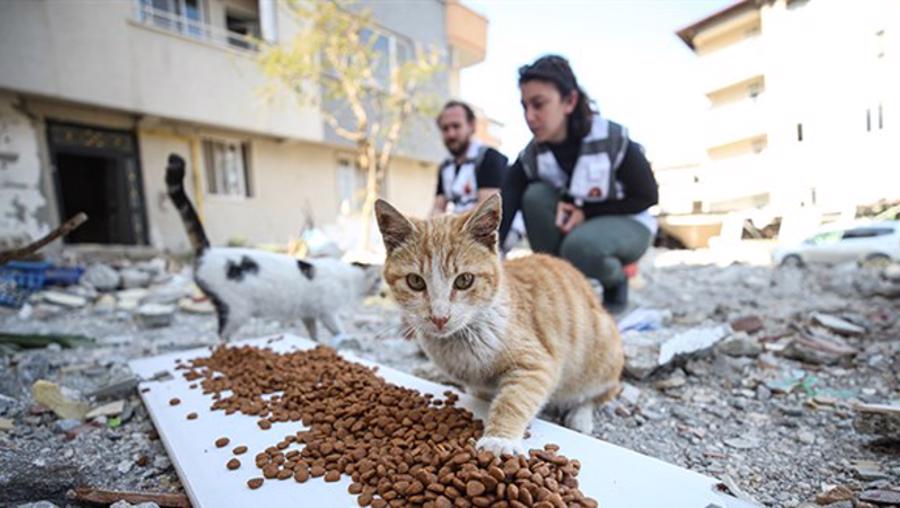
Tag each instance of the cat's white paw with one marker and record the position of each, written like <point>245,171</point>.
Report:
<point>501,445</point>
<point>581,419</point>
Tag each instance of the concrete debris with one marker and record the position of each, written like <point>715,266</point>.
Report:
<point>868,470</point>
<point>135,278</point>
<point>102,277</point>
<point>740,344</point>
<point>630,394</point>
<point>749,324</point>
<point>106,303</point>
<point>837,324</point>
<point>111,409</point>
<point>878,419</point>
<point>64,299</point>
<point>155,315</point>
<point>646,351</point>
<point>192,306</point>
<point>61,401</point>
<point>881,497</point>
<point>819,349</point>
<point>6,424</point>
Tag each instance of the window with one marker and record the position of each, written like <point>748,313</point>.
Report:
<point>825,238</point>
<point>351,185</point>
<point>242,28</point>
<point>880,117</point>
<point>185,16</point>
<point>866,233</point>
<point>799,132</point>
<point>227,168</point>
<point>868,119</point>
<point>390,51</point>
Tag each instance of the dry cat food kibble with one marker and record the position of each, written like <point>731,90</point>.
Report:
<point>192,416</point>
<point>238,450</point>
<point>400,447</point>
<point>174,402</point>
<point>222,442</point>
<point>233,464</point>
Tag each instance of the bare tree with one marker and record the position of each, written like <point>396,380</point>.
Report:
<point>363,94</point>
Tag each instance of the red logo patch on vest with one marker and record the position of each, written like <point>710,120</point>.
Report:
<point>595,192</point>
<point>468,188</point>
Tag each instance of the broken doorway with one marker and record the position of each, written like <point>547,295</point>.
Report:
<point>96,171</point>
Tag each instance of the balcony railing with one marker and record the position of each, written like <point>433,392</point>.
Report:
<point>181,24</point>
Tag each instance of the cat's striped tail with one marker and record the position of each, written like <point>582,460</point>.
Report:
<point>175,188</point>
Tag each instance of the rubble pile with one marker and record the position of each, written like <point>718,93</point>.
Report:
<point>781,382</point>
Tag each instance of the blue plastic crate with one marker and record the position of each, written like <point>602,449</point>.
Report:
<point>63,275</point>
<point>19,279</point>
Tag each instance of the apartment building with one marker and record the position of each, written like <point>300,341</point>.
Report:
<point>804,103</point>
<point>95,95</point>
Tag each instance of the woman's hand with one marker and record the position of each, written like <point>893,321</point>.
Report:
<point>568,216</point>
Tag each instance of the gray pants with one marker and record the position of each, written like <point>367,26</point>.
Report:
<point>598,246</point>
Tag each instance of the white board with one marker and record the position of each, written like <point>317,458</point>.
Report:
<point>614,476</point>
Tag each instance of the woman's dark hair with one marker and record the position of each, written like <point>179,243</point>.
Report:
<point>470,115</point>
<point>556,70</point>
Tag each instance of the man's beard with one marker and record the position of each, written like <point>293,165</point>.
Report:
<point>459,149</point>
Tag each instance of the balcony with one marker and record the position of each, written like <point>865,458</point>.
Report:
<point>466,34</point>
<point>244,34</point>
<point>735,121</point>
<point>732,64</point>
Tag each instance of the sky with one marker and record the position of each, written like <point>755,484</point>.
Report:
<point>625,55</point>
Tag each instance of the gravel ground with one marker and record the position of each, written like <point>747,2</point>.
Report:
<point>718,412</point>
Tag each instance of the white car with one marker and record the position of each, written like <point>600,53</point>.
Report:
<point>868,242</point>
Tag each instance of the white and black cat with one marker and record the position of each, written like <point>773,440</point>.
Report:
<point>244,283</point>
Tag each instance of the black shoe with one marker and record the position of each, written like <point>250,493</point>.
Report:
<point>615,298</point>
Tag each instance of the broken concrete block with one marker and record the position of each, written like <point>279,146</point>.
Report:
<point>646,351</point>
<point>740,344</point>
<point>818,348</point>
<point>155,315</point>
<point>106,303</point>
<point>111,409</point>
<point>881,497</point>
<point>64,299</point>
<point>630,393</point>
<point>749,324</point>
<point>196,307</point>
<point>102,277</point>
<point>878,419</point>
<point>134,278</point>
<point>61,401</point>
<point>837,324</point>
<point>6,424</point>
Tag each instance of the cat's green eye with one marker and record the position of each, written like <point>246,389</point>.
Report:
<point>464,281</point>
<point>415,282</point>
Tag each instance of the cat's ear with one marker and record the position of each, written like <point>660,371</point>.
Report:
<point>484,222</point>
<point>395,228</point>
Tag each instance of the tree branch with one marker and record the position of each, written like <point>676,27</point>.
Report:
<point>64,229</point>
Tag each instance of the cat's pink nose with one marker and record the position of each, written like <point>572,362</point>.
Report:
<point>440,321</point>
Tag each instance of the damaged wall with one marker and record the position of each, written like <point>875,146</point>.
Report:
<point>23,213</point>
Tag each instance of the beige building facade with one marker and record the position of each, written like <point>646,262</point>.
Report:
<point>94,96</point>
<point>804,107</point>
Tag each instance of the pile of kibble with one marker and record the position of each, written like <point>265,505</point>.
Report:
<point>400,447</point>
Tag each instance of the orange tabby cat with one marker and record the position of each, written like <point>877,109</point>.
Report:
<point>523,334</point>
